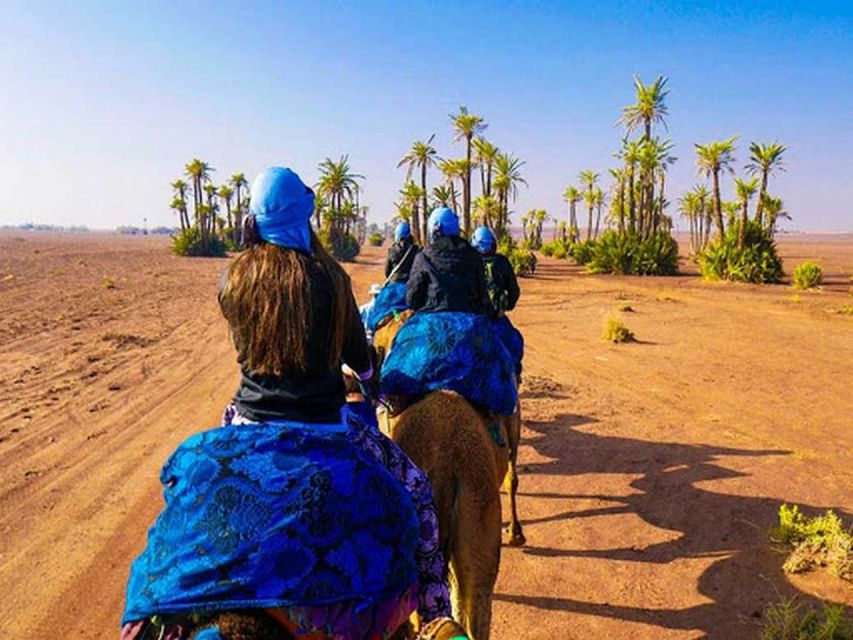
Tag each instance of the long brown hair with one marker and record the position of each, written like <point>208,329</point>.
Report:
<point>266,300</point>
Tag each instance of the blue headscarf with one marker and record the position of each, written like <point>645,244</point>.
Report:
<point>282,206</point>
<point>402,231</point>
<point>484,240</point>
<point>443,222</point>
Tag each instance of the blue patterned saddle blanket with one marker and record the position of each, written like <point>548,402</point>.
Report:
<point>391,299</point>
<point>274,515</point>
<point>452,351</point>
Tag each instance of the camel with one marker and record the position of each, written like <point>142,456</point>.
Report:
<point>451,442</point>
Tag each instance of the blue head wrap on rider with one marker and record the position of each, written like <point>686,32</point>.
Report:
<point>403,230</point>
<point>282,206</point>
<point>210,633</point>
<point>484,240</point>
<point>443,222</point>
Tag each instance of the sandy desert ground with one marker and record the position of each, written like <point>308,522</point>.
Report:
<point>650,471</point>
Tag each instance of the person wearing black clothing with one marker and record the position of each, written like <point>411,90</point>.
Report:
<point>448,274</point>
<point>501,283</point>
<point>401,255</point>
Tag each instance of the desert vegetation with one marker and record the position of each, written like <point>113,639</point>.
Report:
<point>790,620</point>
<point>821,541</point>
<point>500,176</point>
<point>807,275</point>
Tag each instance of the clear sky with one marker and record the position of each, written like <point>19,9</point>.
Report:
<point>102,103</point>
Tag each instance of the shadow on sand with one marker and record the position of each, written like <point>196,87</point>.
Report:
<point>739,585</point>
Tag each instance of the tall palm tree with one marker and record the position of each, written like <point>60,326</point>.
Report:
<point>507,178</point>
<point>199,173</point>
<point>485,153</point>
<point>649,107</point>
<point>589,179</point>
<point>337,183</point>
<point>572,196</point>
<point>630,154</point>
<point>598,200</point>
<point>711,159</point>
<point>239,184</point>
<point>704,215</point>
<point>412,196</point>
<point>226,193</point>
<point>775,209</point>
<point>689,207</point>
<point>745,191</point>
<point>466,126</point>
<point>179,202</point>
<point>764,159</point>
<point>452,169</point>
<point>421,156</point>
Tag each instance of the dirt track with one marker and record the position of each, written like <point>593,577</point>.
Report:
<point>651,471</point>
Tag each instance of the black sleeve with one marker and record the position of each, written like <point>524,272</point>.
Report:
<point>389,261</point>
<point>511,283</point>
<point>355,353</point>
<point>416,290</point>
<point>482,294</point>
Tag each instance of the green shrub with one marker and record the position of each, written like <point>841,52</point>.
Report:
<point>816,542</point>
<point>758,262</point>
<point>615,331</point>
<point>582,251</point>
<point>631,254</point>
<point>188,242</point>
<point>786,621</point>
<point>344,246</point>
<point>522,259</point>
<point>807,275</point>
<point>376,239</point>
<point>557,248</point>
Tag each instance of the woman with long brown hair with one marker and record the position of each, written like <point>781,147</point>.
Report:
<point>297,509</point>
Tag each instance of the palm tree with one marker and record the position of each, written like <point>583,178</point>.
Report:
<point>486,210</point>
<point>598,200</point>
<point>421,156</point>
<point>711,159</point>
<point>648,108</point>
<point>745,191</point>
<point>199,173</point>
<point>466,126</point>
<point>572,196</point>
<point>485,153</point>
<point>442,196</point>
<point>179,202</point>
<point>507,178</point>
<point>238,183</point>
<point>452,169</point>
<point>337,183</point>
<point>630,154</point>
<point>588,179</point>
<point>412,195</point>
<point>764,159</point>
<point>226,193</point>
<point>775,209</point>
<point>690,209</point>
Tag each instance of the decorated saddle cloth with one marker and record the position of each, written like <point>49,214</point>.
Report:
<point>391,299</point>
<point>283,515</point>
<point>511,338</point>
<point>452,351</point>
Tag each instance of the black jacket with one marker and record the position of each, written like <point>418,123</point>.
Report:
<point>317,394</point>
<point>448,275</point>
<point>402,252</point>
<point>504,280</point>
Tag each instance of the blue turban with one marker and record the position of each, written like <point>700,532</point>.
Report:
<point>210,633</point>
<point>402,231</point>
<point>484,240</point>
<point>282,206</point>
<point>443,222</point>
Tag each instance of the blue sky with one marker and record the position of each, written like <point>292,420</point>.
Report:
<point>101,104</point>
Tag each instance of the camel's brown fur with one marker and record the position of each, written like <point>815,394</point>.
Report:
<point>383,339</point>
<point>449,440</point>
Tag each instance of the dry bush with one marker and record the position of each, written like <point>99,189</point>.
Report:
<point>615,331</point>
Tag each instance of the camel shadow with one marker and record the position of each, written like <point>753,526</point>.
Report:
<point>669,494</point>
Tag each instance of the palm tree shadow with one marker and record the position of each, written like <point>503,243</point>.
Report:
<point>668,496</point>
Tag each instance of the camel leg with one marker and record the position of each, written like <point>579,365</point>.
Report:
<point>475,556</point>
<point>513,427</point>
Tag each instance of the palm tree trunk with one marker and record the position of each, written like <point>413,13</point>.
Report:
<point>718,204</point>
<point>424,195</point>
<point>466,193</point>
<point>762,193</point>
<point>744,215</point>
<point>589,226</point>
<point>597,219</point>
<point>489,180</point>
<point>632,213</point>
